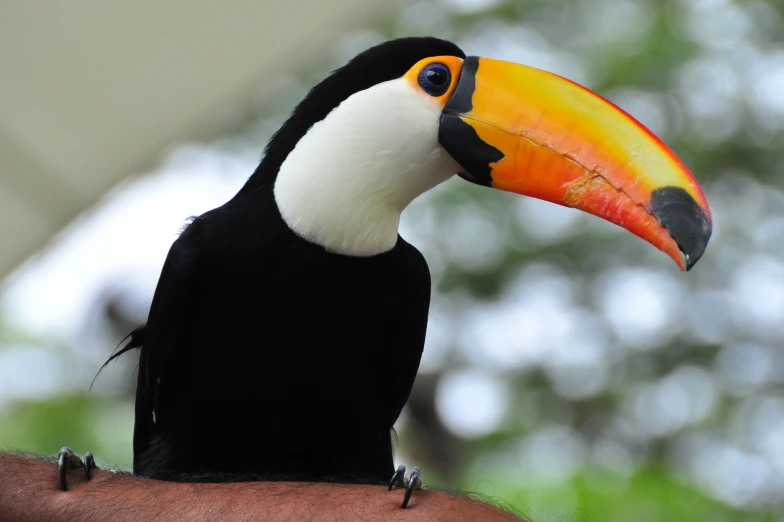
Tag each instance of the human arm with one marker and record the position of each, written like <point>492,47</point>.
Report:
<point>29,492</point>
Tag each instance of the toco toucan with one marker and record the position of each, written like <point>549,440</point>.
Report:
<point>287,325</point>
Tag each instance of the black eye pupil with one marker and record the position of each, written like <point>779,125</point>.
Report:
<point>434,79</point>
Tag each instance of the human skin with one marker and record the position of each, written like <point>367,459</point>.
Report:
<point>29,491</point>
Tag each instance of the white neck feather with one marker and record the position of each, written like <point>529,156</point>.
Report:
<point>350,177</point>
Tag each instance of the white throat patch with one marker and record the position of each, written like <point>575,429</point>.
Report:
<point>349,178</point>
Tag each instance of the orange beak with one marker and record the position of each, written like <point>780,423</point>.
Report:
<point>527,131</point>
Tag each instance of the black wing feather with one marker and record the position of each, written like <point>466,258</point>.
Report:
<point>167,324</point>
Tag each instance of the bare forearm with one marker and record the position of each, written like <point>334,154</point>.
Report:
<point>29,492</point>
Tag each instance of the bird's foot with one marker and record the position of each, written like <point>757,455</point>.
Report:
<point>411,482</point>
<point>67,459</point>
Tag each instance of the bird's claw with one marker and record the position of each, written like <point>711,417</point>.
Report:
<point>398,478</point>
<point>89,464</point>
<point>412,482</point>
<point>67,459</point>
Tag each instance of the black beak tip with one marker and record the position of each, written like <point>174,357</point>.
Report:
<point>685,220</point>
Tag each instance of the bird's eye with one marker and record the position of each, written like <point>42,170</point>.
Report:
<point>435,79</point>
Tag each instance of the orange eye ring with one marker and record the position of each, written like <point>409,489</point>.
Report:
<point>451,64</point>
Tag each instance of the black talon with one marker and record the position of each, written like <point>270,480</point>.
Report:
<point>398,477</point>
<point>89,464</point>
<point>414,482</point>
<point>67,459</point>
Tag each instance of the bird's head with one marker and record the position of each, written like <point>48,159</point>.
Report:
<point>408,114</point>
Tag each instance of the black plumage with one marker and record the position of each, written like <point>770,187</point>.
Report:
<point>265,356</point>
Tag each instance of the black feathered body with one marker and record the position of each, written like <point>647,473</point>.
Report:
<point>265,355</point>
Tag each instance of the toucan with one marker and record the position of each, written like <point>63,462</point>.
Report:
<point>287,325</point>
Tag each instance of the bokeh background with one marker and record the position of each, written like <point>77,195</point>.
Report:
<point>570,369</point>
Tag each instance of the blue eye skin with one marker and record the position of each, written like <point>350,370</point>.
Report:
<point>435,79</point>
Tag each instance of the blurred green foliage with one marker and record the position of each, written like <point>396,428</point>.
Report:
<point>81,421</point>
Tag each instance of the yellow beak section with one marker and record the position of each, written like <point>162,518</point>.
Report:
<point>524,130</point>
